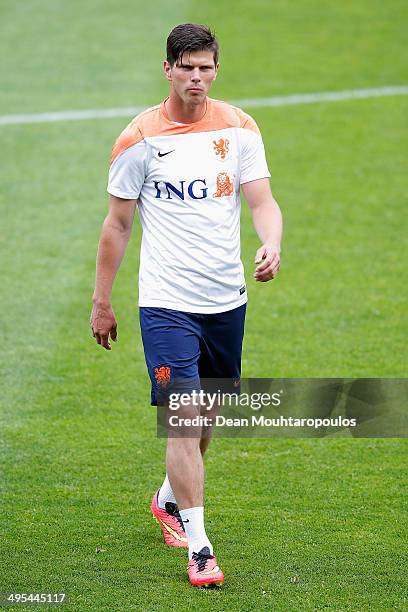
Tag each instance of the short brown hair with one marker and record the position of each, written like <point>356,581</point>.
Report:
<point>188,37</point>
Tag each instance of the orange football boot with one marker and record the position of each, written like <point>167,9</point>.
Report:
<point>170,522</point>
<point>203,570</point>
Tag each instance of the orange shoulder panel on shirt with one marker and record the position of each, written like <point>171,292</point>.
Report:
<point>134,132</point>
<point>246,121</point>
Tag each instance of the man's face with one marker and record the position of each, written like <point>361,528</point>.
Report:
<point>192,76</point>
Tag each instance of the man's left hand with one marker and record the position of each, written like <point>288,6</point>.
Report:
<point>268,260</point>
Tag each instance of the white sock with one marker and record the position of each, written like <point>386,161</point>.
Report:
<point>193,521</point>
<point>166,494</point>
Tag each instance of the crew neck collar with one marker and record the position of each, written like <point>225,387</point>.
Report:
<point>164,113</point>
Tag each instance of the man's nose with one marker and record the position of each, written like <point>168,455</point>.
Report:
<point>195,75</point>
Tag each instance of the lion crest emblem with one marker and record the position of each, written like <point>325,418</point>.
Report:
<point>221,148</point>
<point>162,376</point>
<point>225,186</point>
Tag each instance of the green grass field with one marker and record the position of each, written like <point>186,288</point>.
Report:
<point>297,524</point>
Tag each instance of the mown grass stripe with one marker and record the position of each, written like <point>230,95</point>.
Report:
<point>289,100</point>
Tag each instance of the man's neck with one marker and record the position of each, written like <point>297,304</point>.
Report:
<point>184,113</point>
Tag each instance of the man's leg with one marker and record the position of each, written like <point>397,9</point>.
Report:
<point>166,493</point>
<point>185,467</point>
<point>171,346</point>
<point>186,471</point>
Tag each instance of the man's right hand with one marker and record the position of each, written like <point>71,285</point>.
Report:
<point>103,324</point>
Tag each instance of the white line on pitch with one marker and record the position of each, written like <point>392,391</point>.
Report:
<point>293,99</point>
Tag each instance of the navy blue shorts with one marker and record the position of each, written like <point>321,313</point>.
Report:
<point>189,346</point>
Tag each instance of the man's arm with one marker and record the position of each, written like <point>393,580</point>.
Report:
<point>116,231</point>
<point>267,220</point>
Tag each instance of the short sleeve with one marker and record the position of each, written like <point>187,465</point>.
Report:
<point>253,160</point>
<point>128,171</point>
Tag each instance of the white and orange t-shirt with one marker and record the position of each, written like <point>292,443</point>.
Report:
<point>186,178</point>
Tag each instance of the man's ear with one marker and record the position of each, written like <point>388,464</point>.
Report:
<point>216,71</point>
<point>167,70</point>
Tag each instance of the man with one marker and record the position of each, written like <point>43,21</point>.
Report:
<point>183,163</point>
